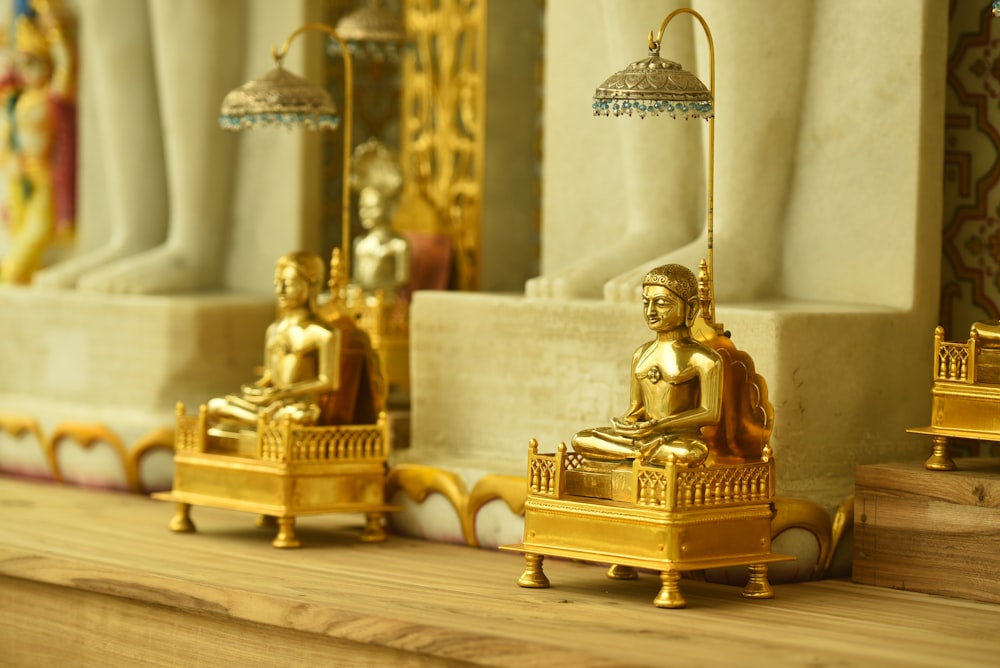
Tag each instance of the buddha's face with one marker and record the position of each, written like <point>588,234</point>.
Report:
<point>370,207</point>
<point>664,310</point>
<point>290,287</point>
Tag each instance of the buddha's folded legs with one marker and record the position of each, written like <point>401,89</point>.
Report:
<point>684,449</point>
<point>603,444</point>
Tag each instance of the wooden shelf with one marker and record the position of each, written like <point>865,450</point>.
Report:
<point>95,578</point>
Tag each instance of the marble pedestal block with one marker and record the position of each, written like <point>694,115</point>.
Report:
<point>106,372</point>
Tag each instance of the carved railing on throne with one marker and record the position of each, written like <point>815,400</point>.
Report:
<point>972,362</point>
<point>286,442</point>
<point>670,487</point>
<point>954,362</point>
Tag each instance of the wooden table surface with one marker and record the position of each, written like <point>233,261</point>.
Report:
<point>90,578</point>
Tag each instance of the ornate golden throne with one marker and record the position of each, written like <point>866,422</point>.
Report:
<point>965,397</point>
<point>387,323</point>
<point>280,469</point>
<point>670,518</point>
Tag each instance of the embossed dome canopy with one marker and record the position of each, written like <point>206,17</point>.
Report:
<point>653,86</point>
<point>278,98</point>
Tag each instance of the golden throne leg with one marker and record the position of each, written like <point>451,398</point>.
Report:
<point>670,592</point>
<point>181,521</point>
<point>619,572</point>
<point>940,459</point>
<point>758,585</point>
<point>374,531</point>
<point>533,576</point>
<point>286,537</point>
<point>266,522</point>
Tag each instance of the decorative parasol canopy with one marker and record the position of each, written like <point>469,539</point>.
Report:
<point>653,86</point>
<point>278,98</point>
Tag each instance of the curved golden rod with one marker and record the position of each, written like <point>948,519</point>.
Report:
<point>654,45</point>
<point>345,213</point>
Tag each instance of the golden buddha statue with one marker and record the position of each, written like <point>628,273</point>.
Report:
<point>676,383</point>
<point>688,462</point>
<point>310,435</point>
<point>301,355</point>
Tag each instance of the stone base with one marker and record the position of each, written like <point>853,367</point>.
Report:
<point>105,373</point>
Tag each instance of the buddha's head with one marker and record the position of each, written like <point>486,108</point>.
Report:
<point>670,297</point>
<point>297,279</point>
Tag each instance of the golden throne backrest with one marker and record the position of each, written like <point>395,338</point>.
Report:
<point>747,416</point>
<point>362,392</point>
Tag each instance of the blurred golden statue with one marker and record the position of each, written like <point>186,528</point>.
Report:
<point>676,383</point>
<point>310,436</point>
<point>301,355</point>
<point>38,142</point>
<point>381,255</point>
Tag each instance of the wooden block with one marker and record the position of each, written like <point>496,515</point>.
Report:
<point>936,532</point>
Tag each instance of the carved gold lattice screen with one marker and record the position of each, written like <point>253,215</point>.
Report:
<point>376,111</point>
<point>442,127</point>
<point>436,95</point>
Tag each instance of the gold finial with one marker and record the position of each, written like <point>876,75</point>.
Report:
<point>705,292</point>
<point>338,281</point>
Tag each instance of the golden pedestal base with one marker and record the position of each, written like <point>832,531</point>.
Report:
<point>293,471</point>
<point>677,519</point>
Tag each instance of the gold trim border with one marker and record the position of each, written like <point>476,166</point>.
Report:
<point>417,481</point>
<point>86,435</point>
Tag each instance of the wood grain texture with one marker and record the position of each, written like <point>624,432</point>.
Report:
<point>94,578</point>
<point>936,532</point>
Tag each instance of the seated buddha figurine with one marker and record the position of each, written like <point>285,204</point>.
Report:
<point>676,383</point>
<point>381,255</point>
<point>301,355</point>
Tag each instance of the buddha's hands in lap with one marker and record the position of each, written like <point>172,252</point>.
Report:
<point>632,428</point>
<point>258,395</point>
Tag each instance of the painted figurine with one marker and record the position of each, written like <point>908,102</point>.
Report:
<point>38,145</point>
